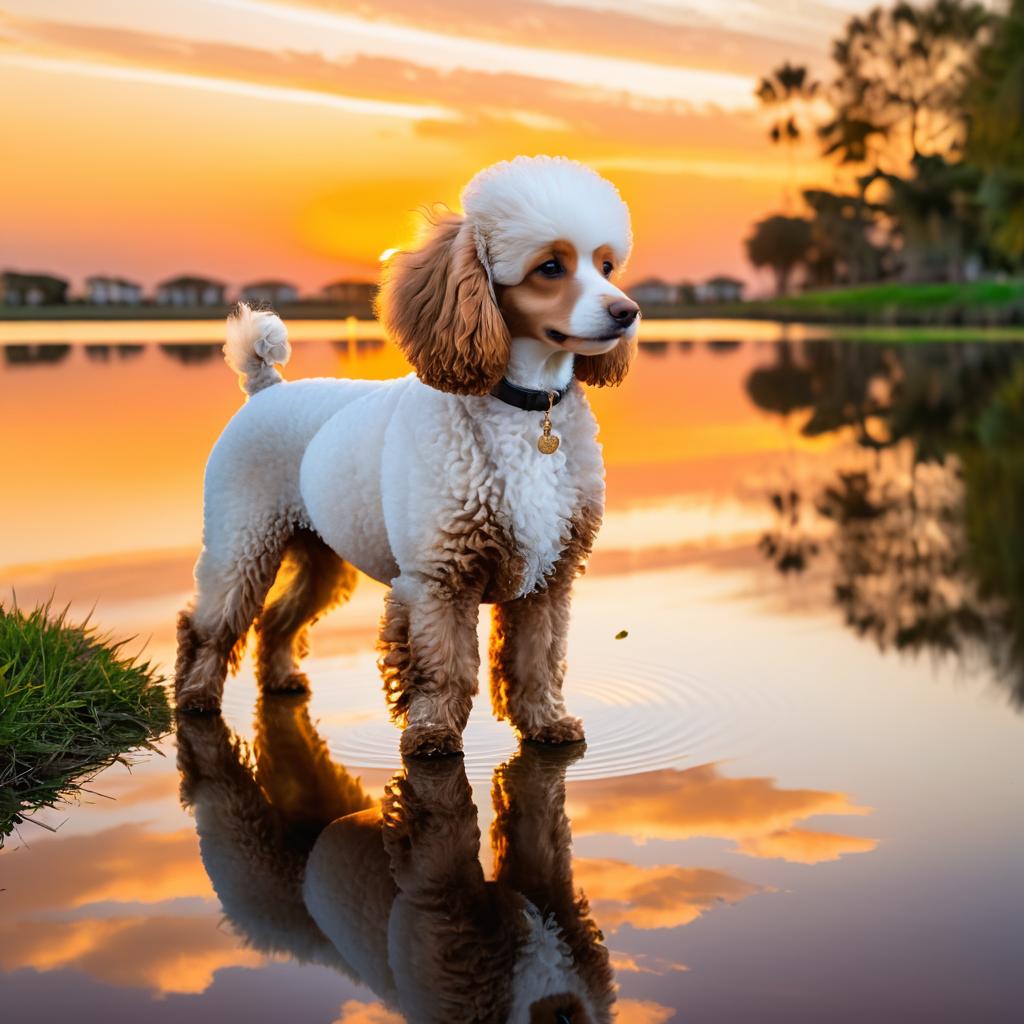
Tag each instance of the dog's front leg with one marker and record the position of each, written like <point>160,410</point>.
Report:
<point>528,644</point>
<point>430,661</point>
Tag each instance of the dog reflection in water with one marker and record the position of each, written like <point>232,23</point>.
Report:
<point>306,864</point>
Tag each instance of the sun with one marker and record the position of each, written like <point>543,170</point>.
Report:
<point>387,254</point>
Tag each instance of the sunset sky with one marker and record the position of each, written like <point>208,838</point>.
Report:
<point>294,138</point>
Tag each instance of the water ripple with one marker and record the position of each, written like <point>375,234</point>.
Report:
<point>639,716</point>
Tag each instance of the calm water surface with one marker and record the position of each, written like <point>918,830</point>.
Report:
<point>800,798</point>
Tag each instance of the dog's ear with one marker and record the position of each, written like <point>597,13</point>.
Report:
<point>437,304</point>
<point>609,368</point>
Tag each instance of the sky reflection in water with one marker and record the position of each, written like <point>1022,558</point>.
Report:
<point>798,798</point>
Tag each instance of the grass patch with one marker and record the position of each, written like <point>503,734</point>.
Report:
<point>967,303</point>
<point>944,305</point>
<point>70,705</point>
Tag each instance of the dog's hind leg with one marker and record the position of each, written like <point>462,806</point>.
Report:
<point>312,579</point>
<point>230,590</point>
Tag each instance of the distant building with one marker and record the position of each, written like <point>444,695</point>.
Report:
<point>686,293</point>
<point>273,293</point>
<point>103,291</point>
<point>32,289</point>
<point>720,289</point>
<point>349,291</point>
<point>190,291</point>
<point>653,291</point>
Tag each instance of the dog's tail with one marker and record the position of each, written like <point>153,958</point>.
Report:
<point>257,343</point>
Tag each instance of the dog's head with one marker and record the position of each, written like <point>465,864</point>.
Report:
<point>533,257</point>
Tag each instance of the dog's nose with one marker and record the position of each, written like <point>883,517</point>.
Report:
<point>623,311</point>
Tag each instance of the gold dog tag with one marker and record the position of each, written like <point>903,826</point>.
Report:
<point>548,443</point>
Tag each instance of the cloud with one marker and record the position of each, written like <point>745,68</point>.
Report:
<point>662,896</point>
<point>46,923</point>
<point>650,32</point>
<point>641,963</point>
<point>701,802</point>
<point>163,953</point>
<point>126,864</point>
<point>355,1012</point>
<point>400,82</point>
<point>642,1011</point>
<point>804,847</point>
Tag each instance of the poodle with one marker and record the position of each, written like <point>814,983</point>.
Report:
<point>305,864</point>
<point>477,479</point>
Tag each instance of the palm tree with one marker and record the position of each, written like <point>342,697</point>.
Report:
<point>787,92</point>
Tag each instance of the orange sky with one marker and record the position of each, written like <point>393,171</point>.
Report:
<point>247,138</point>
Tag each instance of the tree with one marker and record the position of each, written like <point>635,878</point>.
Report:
<point>900,76</point>
<point>842,251</point>
<point>780,243</point>
<point>785,92</point>
<point>994,100</point>
<point>935,216</point>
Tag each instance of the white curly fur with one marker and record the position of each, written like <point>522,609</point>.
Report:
<point>257,343</point>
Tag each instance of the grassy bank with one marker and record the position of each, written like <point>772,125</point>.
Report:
<point>890,304</point>
<point>70,705</point>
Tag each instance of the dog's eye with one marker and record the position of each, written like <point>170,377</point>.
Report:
<point>550,268</point>
<point>606,268</point>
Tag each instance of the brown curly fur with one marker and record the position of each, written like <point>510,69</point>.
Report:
<point>428,654</point>
<point>532,845</point>
<point>436,303</point>
<point>608,369</point>
<point>528,645</point>
<point>212,632</point>
<point>311,580</point>
<point>430,667</point>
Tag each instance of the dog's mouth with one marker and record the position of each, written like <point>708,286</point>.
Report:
<point>558,337</point>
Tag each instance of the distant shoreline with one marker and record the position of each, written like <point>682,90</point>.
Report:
<point>947,305</point>
<point>88,311</point>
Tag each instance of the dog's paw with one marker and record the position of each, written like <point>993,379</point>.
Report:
<point>196,702</point>
<point>292,682</point>
<point>565,730</point>
<point>429,740</point>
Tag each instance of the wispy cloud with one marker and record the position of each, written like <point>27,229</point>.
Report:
<point>253,90</point>
<point>697,87</point>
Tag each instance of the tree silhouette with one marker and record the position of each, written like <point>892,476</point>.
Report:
<point>994,101</point>
<point>780,243</point>
<point>787,93</point>
<point>842,251</point>
<point>900,73</point>
<point>921,535</point>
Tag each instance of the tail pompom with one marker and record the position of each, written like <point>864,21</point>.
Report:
<point>257,343</point>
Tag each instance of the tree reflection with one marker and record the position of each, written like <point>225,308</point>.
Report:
<point>921,517</point>
<point>191,353</point>
<point>35,355</point>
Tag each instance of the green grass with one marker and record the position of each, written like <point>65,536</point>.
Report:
<point>70,705</point>
<point>969,305</point>
<point>968,294</point>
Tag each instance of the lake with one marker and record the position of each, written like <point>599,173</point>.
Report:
<point>798,651</point>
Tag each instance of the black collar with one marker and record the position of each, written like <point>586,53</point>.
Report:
<point>529,399</point>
